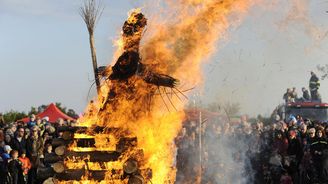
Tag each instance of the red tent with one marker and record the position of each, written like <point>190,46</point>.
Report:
<point>52,112</point>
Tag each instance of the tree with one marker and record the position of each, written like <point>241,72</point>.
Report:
<point>214,107</point>
<point>91,12</point>
<point>231,109</point>
<point>13,116</point>
<point>72,113</point>
<point>59,106</point>
<point>34,111</point>
<point>323,69</point>
<point>41,108</point>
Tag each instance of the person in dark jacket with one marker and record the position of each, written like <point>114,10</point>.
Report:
<point>19,142</point>
<point>4,159</point>
<point>280,143</point>
<point>306,95</point>
<point>295,152</point>
<point>314,85</point>
<point>317,150</point>
<point>14,167</point>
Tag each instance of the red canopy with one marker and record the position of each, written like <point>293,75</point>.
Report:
<point>52,112</point>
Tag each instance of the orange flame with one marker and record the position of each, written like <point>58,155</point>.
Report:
<point>177,48</point>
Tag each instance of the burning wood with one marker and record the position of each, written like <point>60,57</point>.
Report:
<point>131,99</point>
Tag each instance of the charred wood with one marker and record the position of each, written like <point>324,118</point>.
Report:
<point>85,142</point>
<point>95,156</point>
<point>78,174</point>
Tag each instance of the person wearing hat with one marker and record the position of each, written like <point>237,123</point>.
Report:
<point>34,150</point>
<point>314,85</point>
<point>317,149</point>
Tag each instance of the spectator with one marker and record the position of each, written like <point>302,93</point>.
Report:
<point>47,139</point>
<point>40,125</point>
<point>303,131</point>
<point>2,121</point>
<point>51,130</point>
<point>286,179</point>
<point>294,94</point>
<point>306,95</point>
<point>45,120</point>
<point>288,96</point>
<point>34,152</point>
<point>314,85</point>
<point>311,136</point>
<point>19,142</point>
<point>26,166</point>
<point>2,141</point>
<point>280,143</point>
<point>317,147</point>
<point>48,154</point>
<point>5,157</point>
<point>14,167</point>
<point>27,133</point>
<point>32,122</point>
<point>7,139</point>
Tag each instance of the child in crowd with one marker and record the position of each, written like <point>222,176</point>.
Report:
<point>14,167</point>
<point>26,166</point>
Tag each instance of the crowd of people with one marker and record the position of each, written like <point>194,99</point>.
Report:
<point>294,151</point>
<point>24,148</point>
<point>314,84</point>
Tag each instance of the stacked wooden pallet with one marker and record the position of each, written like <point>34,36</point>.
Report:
<point>77,157</point>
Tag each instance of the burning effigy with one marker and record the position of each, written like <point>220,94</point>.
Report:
<point>127,134</point>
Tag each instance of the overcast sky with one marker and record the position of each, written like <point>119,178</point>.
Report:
<point>45,57</point>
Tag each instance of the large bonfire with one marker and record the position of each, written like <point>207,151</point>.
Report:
<point>141,97</point>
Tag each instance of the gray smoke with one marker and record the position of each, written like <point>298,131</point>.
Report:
<point>229,151</point>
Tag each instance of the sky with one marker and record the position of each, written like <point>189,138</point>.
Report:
<point>45,55</point>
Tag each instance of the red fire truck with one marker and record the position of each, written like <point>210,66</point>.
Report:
<point>310,110</point>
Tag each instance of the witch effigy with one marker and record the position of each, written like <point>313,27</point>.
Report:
<point>129,68</point>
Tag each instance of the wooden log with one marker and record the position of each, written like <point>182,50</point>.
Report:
<point>45,172</point>
<point>70,128</point>
<point>77,174</point>
<point>59,142</point>
<point>136,179</point>
<point>126,142</point>
<point>95,156</point>
<point>52,158</point>
<point>50,180</point>
<point>67,135</point>
<point>130,166</point>
<point>59,167</point>
<point>85,142</point>
<point>60,150</point>
<point>82,129</point>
